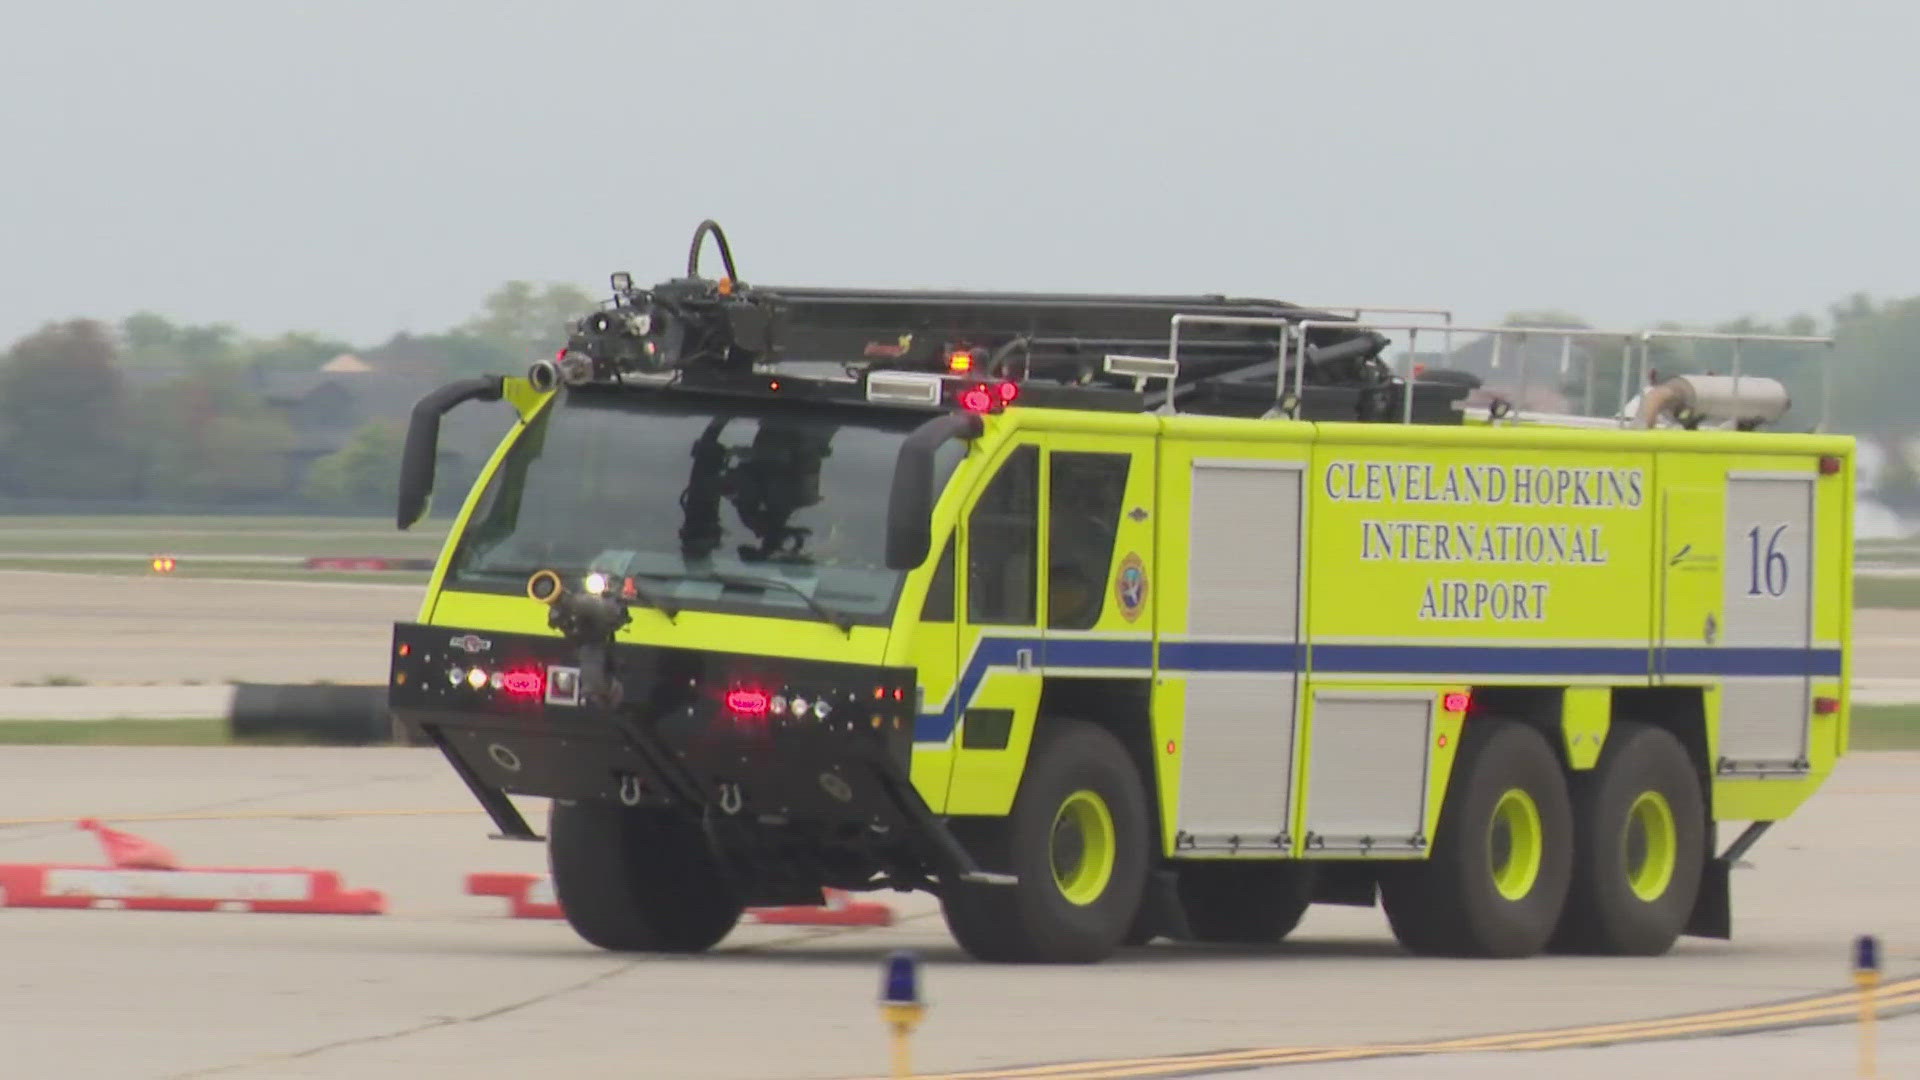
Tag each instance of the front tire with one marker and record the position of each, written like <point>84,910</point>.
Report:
<point>1641,823</point>
<point>637,879</point>
<point>1497,877</point>
<point>1077,840</point>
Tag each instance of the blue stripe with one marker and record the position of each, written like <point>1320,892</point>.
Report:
<point>1095,653</point>
<point>1136,654</point>
<point>987,652</point>
<point>1229,656</point>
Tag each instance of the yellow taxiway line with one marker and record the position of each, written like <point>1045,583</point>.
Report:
<point>1825,1008</point>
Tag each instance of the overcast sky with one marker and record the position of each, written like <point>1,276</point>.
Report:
<point>358,168</point>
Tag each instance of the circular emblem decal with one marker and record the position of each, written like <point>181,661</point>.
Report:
<point>1130,586</point>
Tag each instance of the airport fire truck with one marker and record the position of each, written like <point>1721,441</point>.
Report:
<point>1105,618</point>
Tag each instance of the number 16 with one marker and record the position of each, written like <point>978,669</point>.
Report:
<point>1775,560</point>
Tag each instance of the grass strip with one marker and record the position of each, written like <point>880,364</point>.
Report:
<point>210,731</point>
<point>215,569</point>
<point>1886,592</point>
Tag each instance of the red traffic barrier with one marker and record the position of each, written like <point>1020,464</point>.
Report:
<point>288,892</point>
<point>126,851</point>
<point>365,562</point>
<point>841,910</point>
<point>346,562</point>
<point>143,876</point>
<point>530,896</point>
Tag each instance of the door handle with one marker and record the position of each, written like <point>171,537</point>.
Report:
<point>1023,659</point>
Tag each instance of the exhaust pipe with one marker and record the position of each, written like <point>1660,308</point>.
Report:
<point>1749,402</point>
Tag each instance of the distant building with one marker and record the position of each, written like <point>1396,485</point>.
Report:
<point>325,407</point>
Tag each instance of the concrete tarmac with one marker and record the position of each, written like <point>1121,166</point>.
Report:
<point>104,630</point>
<point>446,985</point>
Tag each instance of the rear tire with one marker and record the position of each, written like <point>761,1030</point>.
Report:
<point>1640,824</point>
<point>1244,902</point>
<point>637,880</point>
<point>1077,839</point>
<point>1497,877</point>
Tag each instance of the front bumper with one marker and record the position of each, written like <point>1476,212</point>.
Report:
<point>506,709</point>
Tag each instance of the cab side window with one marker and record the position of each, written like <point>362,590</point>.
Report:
<point>1003,540</point>
<point>1087,491</point>
<point>939,605</point>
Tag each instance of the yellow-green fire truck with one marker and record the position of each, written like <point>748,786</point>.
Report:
<point>1109,618</point>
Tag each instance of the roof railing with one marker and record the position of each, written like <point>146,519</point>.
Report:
<point>1636,351</point>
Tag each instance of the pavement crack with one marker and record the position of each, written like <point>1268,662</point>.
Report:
<point>416,1029</point>
<point>437,1023</point>
<point>11,832</point>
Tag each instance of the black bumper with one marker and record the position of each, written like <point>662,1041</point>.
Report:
<point>684,730</point>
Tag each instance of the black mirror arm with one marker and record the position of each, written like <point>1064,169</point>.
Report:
<point>910,504</point>
<point>423,439</point>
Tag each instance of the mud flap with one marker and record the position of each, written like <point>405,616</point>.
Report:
<point>1713,908</point>
<point>1353,884</point>
<point>1161,913</point>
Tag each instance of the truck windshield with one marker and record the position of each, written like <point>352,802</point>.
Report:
<point>694,496</point>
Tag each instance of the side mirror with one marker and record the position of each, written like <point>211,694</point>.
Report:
<point>910,504</point>
<point>423,440</point>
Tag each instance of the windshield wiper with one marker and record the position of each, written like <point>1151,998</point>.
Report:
<point>748,581</point>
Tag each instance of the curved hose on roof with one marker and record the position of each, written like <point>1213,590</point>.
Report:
<point>726,251</point>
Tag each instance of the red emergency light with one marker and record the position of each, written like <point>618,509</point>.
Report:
<point>986,398</point>
<point>747,702</point>
<point>523,683</point>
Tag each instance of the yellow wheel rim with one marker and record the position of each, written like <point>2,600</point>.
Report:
<point>1514,848</point>
<point>1652,844</point>
<point>1082,848</point>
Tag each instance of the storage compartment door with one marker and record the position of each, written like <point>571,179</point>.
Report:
<point>1240,661</point>
<point>1766,650</point>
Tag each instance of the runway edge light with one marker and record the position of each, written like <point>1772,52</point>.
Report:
<point>1866,958</point>
<point>1866,975</point>
<point>901,1005</point>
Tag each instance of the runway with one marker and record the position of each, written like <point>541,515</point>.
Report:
<point>444,984</point>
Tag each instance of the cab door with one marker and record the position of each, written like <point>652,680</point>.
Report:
<point>998,637</point>
<point>936,644</point>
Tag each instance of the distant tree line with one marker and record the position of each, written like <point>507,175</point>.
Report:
<point>1874,359</point>
<point>158,415</point>
<point>153,414</point>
